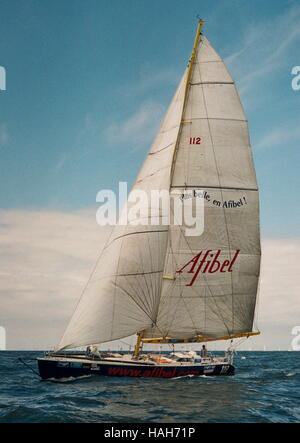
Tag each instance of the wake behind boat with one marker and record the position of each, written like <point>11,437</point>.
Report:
<point>159,280</point>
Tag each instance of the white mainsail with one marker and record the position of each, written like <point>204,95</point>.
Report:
<point>216,302</point>
<point>203,144</point>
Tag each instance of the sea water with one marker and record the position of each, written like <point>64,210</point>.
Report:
<point>266,388</point>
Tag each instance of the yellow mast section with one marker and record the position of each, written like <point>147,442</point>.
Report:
<point>188,79</point>
<point>192,59</point>
<point>189,74</point>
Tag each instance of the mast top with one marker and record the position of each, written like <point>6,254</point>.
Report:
<point>200,22</point>
<point>199,29</point>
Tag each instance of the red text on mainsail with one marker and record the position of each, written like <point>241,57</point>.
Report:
<point>207,262</point>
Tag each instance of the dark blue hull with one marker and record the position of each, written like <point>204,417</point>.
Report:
<point>56,369</point>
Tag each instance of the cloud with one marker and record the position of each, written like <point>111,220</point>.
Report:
<point>274,138</point>
<point>280,282</point>
<point>150,79</point>
<point>279,304</point>
<point>46,258</point>
<point>264,47</point>
<point>139,128</point>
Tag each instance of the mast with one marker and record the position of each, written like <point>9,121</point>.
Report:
<point>186,90</point>
<point>192,59</point>
<point>187,84</point>
<point>137,347</point>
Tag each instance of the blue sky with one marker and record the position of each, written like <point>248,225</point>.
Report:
<point>89,81</point>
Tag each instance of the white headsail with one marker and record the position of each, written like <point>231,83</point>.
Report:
<point>122,297</point>
<point>202,145</point>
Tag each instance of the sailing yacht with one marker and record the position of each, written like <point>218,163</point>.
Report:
<point>159,282</point>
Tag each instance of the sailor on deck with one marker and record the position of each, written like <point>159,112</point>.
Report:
<point>204,352</point>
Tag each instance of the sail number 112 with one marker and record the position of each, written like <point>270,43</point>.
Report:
<point>195,141</point>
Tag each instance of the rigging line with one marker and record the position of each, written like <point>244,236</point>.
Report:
<point>152,291</point>
<point>161,300</point>
<point>171,286</point>
<point>164,300</point>
<point>137,233</point>
<point>143,291</point>
<point>191,119</point>
<point>215,295</point>
<point>239,342</point>
<point>187,99</point>
<point>138,273</point>
<point>181,292</point>
<point>190,101</point>
<point>125,343</point>
<point>146,292</point>
<point>138,291</point>
<point>182,298</point>
<point>150,175</point>
<point>161,282</point>
<point>218,314</point>
<point>207,285</point>
<point>153,288</point>
<point>213,187</point>
<point>115,285</point>
<point>159,305</point>
<point>221,191</point>
<point>174,159</point>
<point>184,301</point>
<point>179,131</point>
<point>167,297</point>
<point>168,129</point>
<point>212,83</point>
<point>188,156</point>
<point>256,307</point>
<point>28,366</point>
<point>133,299</point>
<point>140,307</point>
<point>134,274</point>
<point>88,281</point>
<point>205,313</point>
<point>162,149</point>
<point>187,88</point>
<point>208,61</point>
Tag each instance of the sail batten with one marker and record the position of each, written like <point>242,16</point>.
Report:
<point>214,187</point>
